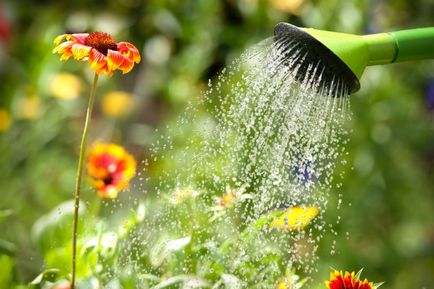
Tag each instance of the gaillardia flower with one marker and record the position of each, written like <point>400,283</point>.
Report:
<point>99,49</point>
<point>338,280</point>
<point>111,168</point>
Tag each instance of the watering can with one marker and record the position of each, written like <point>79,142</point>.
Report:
<point>347,55</point>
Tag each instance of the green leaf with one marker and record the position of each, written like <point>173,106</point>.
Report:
<point>7,248</point>
<point>357,277</point>
<point>164,248</point>
<point>89,283</point>
<point>190,282</point>
<point>49,275</point>
<point>53,230</point>
<point>376,285</point>
<point>135,217</point>
<point>4,214</point>
<point>6,265</point>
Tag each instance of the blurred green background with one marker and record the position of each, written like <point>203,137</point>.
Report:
<point>387,216</point>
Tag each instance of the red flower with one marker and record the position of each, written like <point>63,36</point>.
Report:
<point>349,281</point>
<point>111,168</point>
<point>100,49</point>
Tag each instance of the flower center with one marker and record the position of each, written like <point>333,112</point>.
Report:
<point>101,41</point>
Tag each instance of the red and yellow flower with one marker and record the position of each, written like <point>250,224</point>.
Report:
<point>338,280</point>
<point>99,49</point>
<point>110,168</point>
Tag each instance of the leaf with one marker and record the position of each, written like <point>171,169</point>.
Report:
<point>4,214</point>
<point>376,285</point>
<point>357,277</point>
<point>89,283</point>
<point>7,248</point>
<point>231,282</point>
<point>190,282</point>
<point>54,228</point>
<point>6,265</point>
<point>135,217</point>
<point>162,250</point>
<point>49,275</point>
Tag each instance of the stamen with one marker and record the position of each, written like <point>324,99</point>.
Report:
<point>101,41</point>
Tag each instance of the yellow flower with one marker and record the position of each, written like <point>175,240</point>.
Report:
<point>181,195</point>
<point>5,120</point>
<point>295,218</point>
<point>66,86</point>
<point>29,107</point>
<point>117,103</point>
<point>283,284</point>
<point>111,168</point>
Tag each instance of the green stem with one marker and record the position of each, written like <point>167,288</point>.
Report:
<point>79,175</point>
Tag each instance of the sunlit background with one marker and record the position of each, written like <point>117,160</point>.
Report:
<point>386,219</point>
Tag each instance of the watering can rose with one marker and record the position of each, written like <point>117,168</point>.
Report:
<point>99,49</point>
<point>110,168</point>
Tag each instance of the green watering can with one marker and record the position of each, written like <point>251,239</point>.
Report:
<point>345,56</point>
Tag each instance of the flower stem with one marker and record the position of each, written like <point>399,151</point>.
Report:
<point>79,175</point>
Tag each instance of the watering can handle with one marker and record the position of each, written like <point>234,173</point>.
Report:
<point>414,44</point>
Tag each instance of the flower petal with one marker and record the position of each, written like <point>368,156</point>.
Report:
<point>114,59</point>
<point>60,38</point>
<point>130,51</point>
<point>126,66</point>
<point>97,60</point>
<point>80,37</point>
<point>61,48</point>
<point>79,51</point>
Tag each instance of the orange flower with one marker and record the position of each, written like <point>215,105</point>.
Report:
<point>227,198</point>
<point>100,49</point>
<point>349,281</point>
<point>111,168</point>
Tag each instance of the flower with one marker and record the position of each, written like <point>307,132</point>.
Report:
<point>5,120</point>
<point>117,103</point>
<point>28,107</point>
<point>181,195</point>
<point>100,49</point>
<point>227,198</point>
<point>289,6</point>
<point>230,198</point>
<point>338,280</point>
<point>111,168</point>
<point>283,284</point>
<point>295,218</point>
<point>66,86</point>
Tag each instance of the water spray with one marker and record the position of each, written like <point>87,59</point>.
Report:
<point>344,57</point>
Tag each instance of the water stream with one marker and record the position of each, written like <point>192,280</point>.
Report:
<point>267,141</point>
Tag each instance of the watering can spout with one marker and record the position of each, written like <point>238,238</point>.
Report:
<point>356,52</point>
